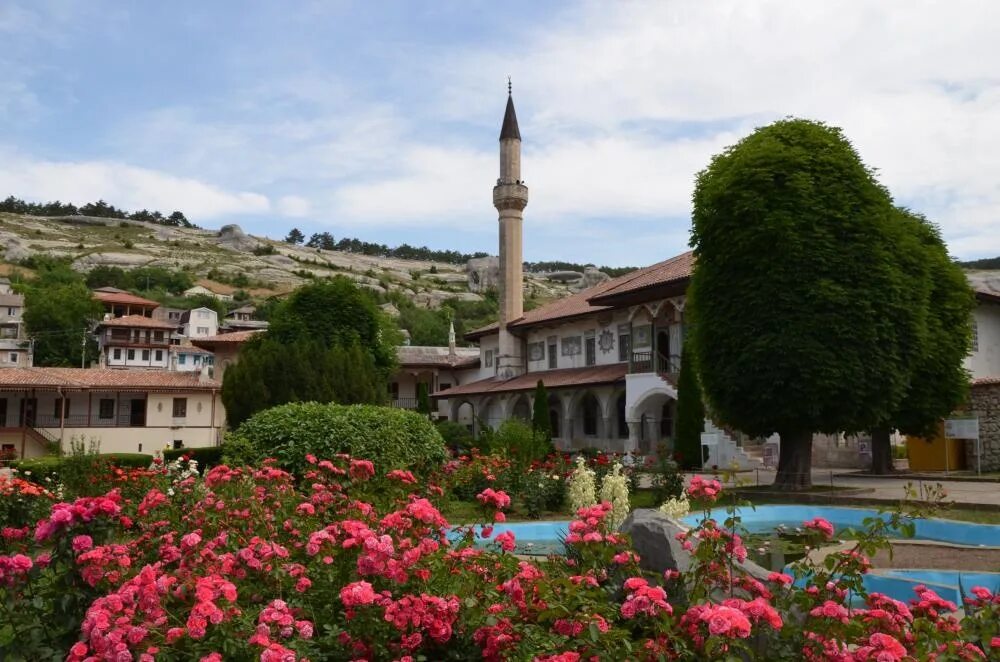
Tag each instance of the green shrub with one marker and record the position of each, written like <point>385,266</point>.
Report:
<point>516,439</point>
<point>127,460</point>
<point>390,438</point>
<point>667,481</point>
<point>207,456</point>
<point>456,436</point>
<point>37,469</point>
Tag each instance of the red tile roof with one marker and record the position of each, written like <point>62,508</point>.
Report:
<point>414,356</point>
<point>986,381</point>
<point>124,298</point>
<point>562,378</point>
<point>225,339</point>
<point>602,296</point>
<point>104,379</point>
<point>984,294</point>
<point>137,321</point>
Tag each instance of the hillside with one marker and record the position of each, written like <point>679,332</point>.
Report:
<point>263,267</point>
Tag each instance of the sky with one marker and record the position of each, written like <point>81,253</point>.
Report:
<point>379,120</point>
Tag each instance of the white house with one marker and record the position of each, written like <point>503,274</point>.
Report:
<point>199,323</point>
<point>187,358</point>
<point>134,341</point>
<point>15,346</point>
<point>984,359</point>
<point>136,411</point>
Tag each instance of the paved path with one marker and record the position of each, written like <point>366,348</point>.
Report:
<point>891,489</point>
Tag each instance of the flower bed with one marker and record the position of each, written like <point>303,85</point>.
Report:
<point>342,563</point>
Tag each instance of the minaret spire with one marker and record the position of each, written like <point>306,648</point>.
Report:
<point>510,197</point>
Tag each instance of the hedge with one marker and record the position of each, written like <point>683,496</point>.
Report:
<point>390,438</point>
<point>207,456</point>
<point>48,466</point>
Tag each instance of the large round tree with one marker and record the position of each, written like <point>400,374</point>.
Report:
<point>796,293</point>
<point>939,382</point>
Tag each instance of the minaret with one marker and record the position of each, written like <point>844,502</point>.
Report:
<point>510,196</point>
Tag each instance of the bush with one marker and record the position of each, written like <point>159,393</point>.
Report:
<point>390,438</point>
<point>207,456</point>
<point>78,470</point>
<point>456,436</point>
<point>127,460</point>
<point>516,439</point>
<point>667,481</point>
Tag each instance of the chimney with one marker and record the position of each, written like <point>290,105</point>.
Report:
<point>205,374</point>
<point>173,361</point>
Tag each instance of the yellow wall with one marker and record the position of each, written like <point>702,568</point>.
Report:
<point>929,454</point>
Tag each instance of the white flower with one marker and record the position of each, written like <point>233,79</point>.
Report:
<point>614,489</point>
<point>582,487</point>
<point>676,508</point>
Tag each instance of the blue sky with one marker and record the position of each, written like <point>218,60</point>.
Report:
<point>380,119</point>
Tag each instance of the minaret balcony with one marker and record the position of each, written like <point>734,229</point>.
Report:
<point>510,196</point>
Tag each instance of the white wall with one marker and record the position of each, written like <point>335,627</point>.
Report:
<point>202,323</point>
<point>137,361</point>
<point>985,361</point>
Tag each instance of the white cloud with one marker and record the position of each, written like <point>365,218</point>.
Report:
<point>293,206</point>
<point>124,186</point>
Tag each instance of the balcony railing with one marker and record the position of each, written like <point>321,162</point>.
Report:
<point>84,421</point>
<point>646,362</point>
<point>405,403</point>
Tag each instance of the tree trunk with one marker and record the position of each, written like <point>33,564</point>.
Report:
<point>794,461</point>
<point>881,451</point>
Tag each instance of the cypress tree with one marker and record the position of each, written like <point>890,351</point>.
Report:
<point>423,400</point>
<point>541,426</point>
<point>690,414</point>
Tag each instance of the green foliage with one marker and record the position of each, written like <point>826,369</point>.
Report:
<point>666,479</point>
<point>264,249</point>
<point>541,425</point>
<point>986,263</point>
<point>798,305</point>
<point>423,399</point>
<point>294,237</point>
<point>456,436</point>
<point>939,382</point>
<point>59,312</point>
<point>207,456</point>
<point>101,209</point>
<point>515,439</point>
<point>390,438</point>
<point>326,343</point>
<point>145,279</point>
<point>82,470</point>
<point>690,415</point>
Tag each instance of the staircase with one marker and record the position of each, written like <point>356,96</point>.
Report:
<point>724,451</point>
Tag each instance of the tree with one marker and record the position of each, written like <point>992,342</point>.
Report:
<point>939,382</point>
<point>690,414</point>
<point>796,292</point>
<point>295,237</point>
<point>541,426</point>
<point>323,240</point>
<point>59,312</point>
<point>178,219</point>
<point>327,342</point>
<point>423,400</point>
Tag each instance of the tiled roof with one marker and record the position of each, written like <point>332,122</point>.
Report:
<point>102,378</point>
<point>437,357</point>
<point>13,300</point>
<point>986,381</point>
<point>189,350</point>
<point>224,339</point>
<point>602,296</point>
<point>105,296</point>
<point>985,294</point>
<point>137,321</point>
<point>675,269</point>
<point>564,377</point>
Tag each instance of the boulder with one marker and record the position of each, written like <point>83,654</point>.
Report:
<point>565,276</point>
<point>591,276</point>
<point>232,237</point>
<point>16,250</point>
<point>654,539</point>
<point>483,273</point>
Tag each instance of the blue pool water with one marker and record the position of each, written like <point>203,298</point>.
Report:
<point>544,538</point>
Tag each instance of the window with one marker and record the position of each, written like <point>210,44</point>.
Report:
<point>60,403</point>
<point>145,355</point>
<point>13,357</point>
<point>553,355</point>
<point>488,359</point>
<point>394,390</point>
<point>180,407</point>
<point>590,345</point>
<point>11,312</point>
<point>159,355</point>
<point>624,342</point>
<point>197,359</point>
<point>173,315</point>
<point>118,355</point>
<point>209,360</point>
<point>178,443</point>
<point>203,314</point>
<point>202,331</point>
<point>106,408</point>
<point>182,359</point>
<point>975,335</point>
<point>444,386</point>
<point>131,355</point>
<point>158,336</point>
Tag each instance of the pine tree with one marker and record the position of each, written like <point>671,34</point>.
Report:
<point>541,426</point>
<point>295,236</point>
<point>690,414</point>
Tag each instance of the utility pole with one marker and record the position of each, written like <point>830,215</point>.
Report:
<point>83,349</point>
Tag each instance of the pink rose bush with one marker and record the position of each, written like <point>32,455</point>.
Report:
<point>342,563</point>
